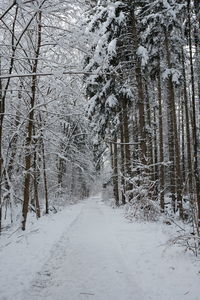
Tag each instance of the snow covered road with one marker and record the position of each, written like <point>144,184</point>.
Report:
<point>87,263</point>
<point>89,251</point>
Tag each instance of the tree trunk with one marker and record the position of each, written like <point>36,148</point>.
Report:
<point>45,179</point>
<point>3,95</point>
<point>35,183</point>
<point>141,97</point>
<point>187,127</point>
<point>194,124</point>
<point>1,159</point>
<point>149,136</point>
<point>28,155</point>
<point>127,148</point>
<point>174,141</point>
<point>161,149</point>
<point>155,161</point>
<point>115,172</point>
<point>122,160</point>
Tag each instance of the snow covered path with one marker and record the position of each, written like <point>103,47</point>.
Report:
<point>88,263</point>
<point>89,251</point>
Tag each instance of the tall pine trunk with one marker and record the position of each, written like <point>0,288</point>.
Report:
<point>140,91</point>
<point>194,124</point>
<point>123,187</point>
<point>127,152</point>
<point>161,148</point>
<point>176,184</point>
<point>115,172</point>
<point>188,134</point>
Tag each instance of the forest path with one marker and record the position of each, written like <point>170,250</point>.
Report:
<point>102,256</point>
<point>87,263</point>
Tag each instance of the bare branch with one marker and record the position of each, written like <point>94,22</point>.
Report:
<point>8,9</point>
<point>51,74</point>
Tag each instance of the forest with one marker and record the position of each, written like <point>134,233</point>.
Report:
<point>101,96</point>
<point>45,143</point>
<point>145,106</point>
<point>87,82</point>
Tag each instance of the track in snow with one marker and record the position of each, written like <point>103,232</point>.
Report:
<point>87,263</point>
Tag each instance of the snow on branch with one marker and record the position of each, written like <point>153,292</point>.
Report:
<point>50,74</point>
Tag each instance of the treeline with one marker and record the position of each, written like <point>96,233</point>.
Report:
<point>45,147</point>
<point>144,101</point>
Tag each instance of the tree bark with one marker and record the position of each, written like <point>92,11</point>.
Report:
<point>194,124</point>
<point>28,155</point>
<point>141,97</point>
<point>161,148</point>
<point>174,141</point>
<point>127,156</point>
<point>123,191</point>
<point>115,172</point>
<point>3,95</point>
<point>187,127</point>
<point>45,180</point>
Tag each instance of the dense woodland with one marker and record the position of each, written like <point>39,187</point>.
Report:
<point>45,143</point>
<point>145,105</point>
<point>89,84</point>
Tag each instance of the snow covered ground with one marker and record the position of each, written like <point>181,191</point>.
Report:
<point>89,251</point>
